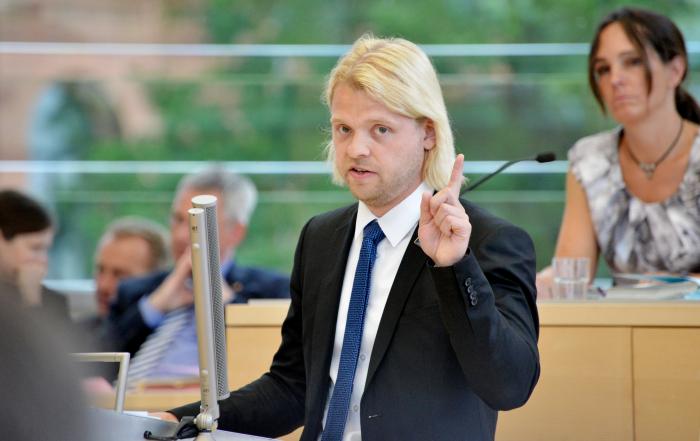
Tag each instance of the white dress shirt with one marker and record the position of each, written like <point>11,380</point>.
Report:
<point>398,225</point>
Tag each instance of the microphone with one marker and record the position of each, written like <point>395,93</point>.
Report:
<point>209,313</point>
<point>541,158</point>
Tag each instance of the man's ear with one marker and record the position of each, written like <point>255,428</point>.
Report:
<point>428,134</point>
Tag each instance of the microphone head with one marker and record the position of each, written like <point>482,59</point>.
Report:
<point>545,157</point>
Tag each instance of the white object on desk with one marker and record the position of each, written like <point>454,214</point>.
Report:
<point>115,357</point>
<point>650,287</point>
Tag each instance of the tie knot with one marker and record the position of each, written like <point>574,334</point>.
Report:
<point>373,232</point>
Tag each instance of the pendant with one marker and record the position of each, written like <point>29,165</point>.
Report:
<point>648,169</point>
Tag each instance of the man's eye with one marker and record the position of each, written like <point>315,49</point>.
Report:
<point>382,130</point>
<point>343,129</point>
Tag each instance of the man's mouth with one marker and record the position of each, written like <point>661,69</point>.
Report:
<point>359,173</point>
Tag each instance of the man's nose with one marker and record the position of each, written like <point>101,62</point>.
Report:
<point>358,146</point>
<point>105,283</point>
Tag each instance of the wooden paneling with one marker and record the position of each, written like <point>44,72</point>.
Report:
<point>584,392</point>
<point>253,336</point>
<point>149,400</point>
<point>619,313</point>
<point>250,351</point>
<point>610,370</point>
<point>667,384</point>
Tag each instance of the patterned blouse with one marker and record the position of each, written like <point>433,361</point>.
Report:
<point>636,236</point>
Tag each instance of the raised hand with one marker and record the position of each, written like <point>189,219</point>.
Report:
<point>444,228</point>
<point>174,292</point>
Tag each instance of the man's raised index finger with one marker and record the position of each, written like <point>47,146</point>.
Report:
<point>457,178</point>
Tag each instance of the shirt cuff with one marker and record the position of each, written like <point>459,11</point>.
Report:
<point>151,316</point>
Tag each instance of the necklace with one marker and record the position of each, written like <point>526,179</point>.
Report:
<point>650,167</point>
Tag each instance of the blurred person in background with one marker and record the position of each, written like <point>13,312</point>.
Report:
<point>26,233</point>
<point>633,192</point>
<point>40,397</point>
<point>143,305</point>
<point>130,247</point>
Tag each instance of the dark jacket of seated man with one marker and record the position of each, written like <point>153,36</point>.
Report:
<point>127,328</point>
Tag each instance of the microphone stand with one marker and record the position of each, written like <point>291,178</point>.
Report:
<point>541,158</point>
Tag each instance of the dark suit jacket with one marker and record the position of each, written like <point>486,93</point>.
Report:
<point>126,330</point>
<point>454,344</point>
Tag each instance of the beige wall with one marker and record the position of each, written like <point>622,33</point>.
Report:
<point>23,77</point>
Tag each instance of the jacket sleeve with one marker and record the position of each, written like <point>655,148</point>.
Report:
<point>488,307</point>
<point>125,329</point>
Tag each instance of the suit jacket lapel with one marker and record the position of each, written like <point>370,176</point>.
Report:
<point>413,261</point>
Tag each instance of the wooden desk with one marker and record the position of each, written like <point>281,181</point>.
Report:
<point>610,371</point>
<point>613,371</point>
<point>150,400</point>
<point>252,337</point>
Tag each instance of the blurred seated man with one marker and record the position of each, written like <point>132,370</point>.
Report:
<point>163,300</point>
<point>130,247</point>
<point>26,233</point>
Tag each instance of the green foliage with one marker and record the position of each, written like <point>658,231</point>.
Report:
<point>256,108</point>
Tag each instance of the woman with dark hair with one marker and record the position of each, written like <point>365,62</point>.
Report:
<point>633,193</point>
<point>26,232</point>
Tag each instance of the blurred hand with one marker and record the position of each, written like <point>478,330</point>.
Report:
<point>174,293</point>
<point>96,386</point>
<point>29,277</point>
<point>545,282</point>
<point>165,416</point>
<point>444,228</point>
<point>227,293</point>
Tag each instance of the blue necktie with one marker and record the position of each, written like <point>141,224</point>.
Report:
<point>340,400</point>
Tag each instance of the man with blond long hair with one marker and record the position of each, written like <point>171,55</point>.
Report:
<point>413,312</point>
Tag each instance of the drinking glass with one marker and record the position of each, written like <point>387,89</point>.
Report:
<point>571,276</point>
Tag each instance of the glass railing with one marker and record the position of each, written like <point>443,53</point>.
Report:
<point>107,130</point>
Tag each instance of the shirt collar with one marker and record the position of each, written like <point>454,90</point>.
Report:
<point>397,222</point>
